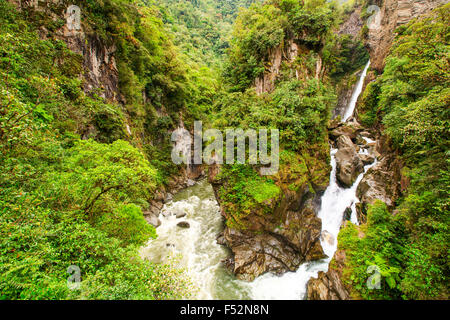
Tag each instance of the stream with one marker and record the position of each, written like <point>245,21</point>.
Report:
<point>197,251</point>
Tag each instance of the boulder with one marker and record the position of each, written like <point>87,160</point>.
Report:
<point>366,159</point>
<point>153,220</point>
<point>180,215</point>
<point>348,166</point>
<point>343,131</point>
<point>183,224</point>
<point>327,286</point>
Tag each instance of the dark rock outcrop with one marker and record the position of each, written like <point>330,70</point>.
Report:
<point>328,286</point>
<point>276,242</point>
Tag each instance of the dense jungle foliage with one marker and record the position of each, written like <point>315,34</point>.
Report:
<point>67,201</point>
<point>302,99</point>
<point>78,170</point>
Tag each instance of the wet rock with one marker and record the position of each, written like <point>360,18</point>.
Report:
<point>151,211</point>
<point>157,204</point>
<point>180,215</point>
<point>190,182</point>
<point>367,134</point>
<point>360,141</point>
<point>347,214</point>
<point>221,239</point>
<point>328,286</point>
<point>367,159</point>
<point>278,241</point>
<point>159,196</point>
<point>359,213</point>
<point>344,142</point>
<point>183,224</point>
<point>168,197</point>
<point>153,220</point>
<point>378,183</point>
<point>167,213</point>
<point>327,237</point>
<point>348,166</point>
<point>343,131</point>
<point>195,171</point>
<point>294,243</point>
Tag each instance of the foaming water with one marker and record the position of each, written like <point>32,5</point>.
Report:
<point>196,247</point>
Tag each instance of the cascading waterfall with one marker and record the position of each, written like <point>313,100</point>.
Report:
<point>351,106</point>
<point>201,255</point>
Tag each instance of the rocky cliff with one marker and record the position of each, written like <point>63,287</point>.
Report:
<point>278,236</point>
<point>393,14</point>
<point>100,74</point>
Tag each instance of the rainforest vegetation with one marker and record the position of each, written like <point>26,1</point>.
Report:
<point>78,169</point>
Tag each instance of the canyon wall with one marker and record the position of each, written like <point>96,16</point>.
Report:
<point>393,14</point>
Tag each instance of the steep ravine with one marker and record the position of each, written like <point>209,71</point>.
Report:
<point>191,222</point>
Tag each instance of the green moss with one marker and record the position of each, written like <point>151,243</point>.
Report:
<point>262,191</point>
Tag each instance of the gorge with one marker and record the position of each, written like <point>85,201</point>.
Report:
<point>91,93</point>
<point>203,257</point>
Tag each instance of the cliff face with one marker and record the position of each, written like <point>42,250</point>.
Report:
<point>393,14</point>
<point>100,73</point>
<point>284,53</point>
<point>278,236</point>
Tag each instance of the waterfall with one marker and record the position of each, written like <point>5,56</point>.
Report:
<point>201,255</point>
<point>351,106</point>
